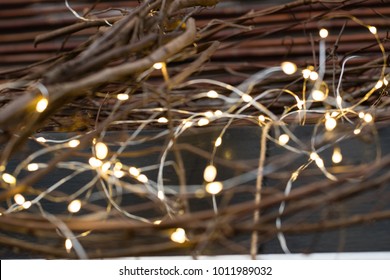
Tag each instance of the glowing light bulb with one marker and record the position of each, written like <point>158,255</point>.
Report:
<point>361,115</point>
<point>162,120</point>
<point>142,178</point>
<point>313,75</point>
<point>212,94</point>
<point>318,95</point>
<point>300,104</point>
<point>323,33</point>
<point>289,68</point>
<point>157,222</point>
<point>373,29</point>
<point>218,142</point>
<point>209,114</point>
<point>319,162</point>
<point>134,171</point>
<point>385,81</point>
<point>209,174</point>
<point>19,199</point>
<point>32,167</point>
<point>330,124</point>
<point>379,84</point>
<point>161,195</point>
<point>214,187</point>
<point>122,96</point>
<point>101,150</point>
<point>357,131</point>
<point>262,118</point>
<point>74,206</point>
<point>306,73</point>
<point>42,105</point>
<point>218,113</point>
<point>247,98</point>
<point>106,166</point>
<point>179,236</point>
<point>94,162</point>
<point>73,143</point>
<point>314,156</point>
<point>68,245</point>
<point>119,173</point>
<point>368,118</point>
<point>337,157</point>
<point>41,140</point>
<point>203,122</point>
<point>158,65</point>
<point>27,204</point>
<point>283,139</point>
<point>8,178</point>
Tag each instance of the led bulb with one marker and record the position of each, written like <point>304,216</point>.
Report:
<point>162,120</point>
<point>319,162</point>
<point>324,33</point>
<point>368,118</point>
<point>247,98</point>
<point>379,84</point>
<point>142,178</point>
<point>209,174</point>
<point>94,162</point>
<point>74,206</point>
<point>8,178</point>
<point>27,204</point>
<point>19,199</point>
<point>73,143</point>
<point>214,187</point>
<point>313,76</point>
<point>337,157</point>
<point>134,171</point>
<point>306,73</point>
<point>212,94</point>
<point>373,29</point>
<point>122,96</point>
<point>68,245</point>
<point>203,122</point>
<point>101,150</point>
<point>262,118</point>
<point>330,124</point>
<point>289,68</point>
<point>318,95</point>
<point>218,142</point>
<point>158,65</point>
<point>41,140</point>
<point>42,105</point>
<point>283,139</point>
<point>32,167</point>
<point>179,236</point>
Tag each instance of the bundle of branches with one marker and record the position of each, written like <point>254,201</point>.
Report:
<point>306,77</point>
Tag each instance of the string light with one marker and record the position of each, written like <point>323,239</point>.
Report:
<point>261,118</point>
<point>218,142</point>
<point>283,139</point>
<point>330,124</point>
<point>247,98</point>
<point>337,157</point>
<point>105,167</point>
<point>209,174</point>
<point>212,94</point>
<point>214,187</point>
<point>134,171</point>
<point>313,76</point>
<point>8,178</point>
<point>19,199</point>
<point>162,120</point>
<point>203,122</point>
<point>379,84</point>
<point>101,150</point>
<point>68,245</point>
<point>74,206</point>
<point>368,118</point>
<point>41,140</point>
<point>373,29</point>
<point>218,113</point>
<point>27,204</point>
<point>179,236</point>
<point>289,68</point>
<point>324,33</point>
<point>385,81</point>
<point>158,65</point>
<point>32,167</point>
<point>122,96</point>
<point>94,162</point>
<point>357,131</point>
<point>42,105</point>
<point>318,95</point>
<point>142,178</point>
<point>73,143</point>
<point>306,73</point>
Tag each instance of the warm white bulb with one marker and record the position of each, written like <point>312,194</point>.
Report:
<point>122,96</point>
<point>306,73</point>
<point>318,95</point>
<point>42,105</point>
<point>142,178</point>
<point>41,140</point>
<point>74,206</point>
<point>214,187</point>
<point>218,142</point>
<point>218,113</point>
<point>203,122</point>
<point>73,143</point>
<point>368,118</point>
<point>68,245</point>
<point>313,76</point>
<point>158,65</point>
<point>94,162</point>
<point>379,84</point>
<point>212,94</point>
<point>330,124</point>
<point>337,157</point>
<point>262,118</point>
<point>134,171</point>
<point>162,120</point>
<point>385,81</point>
<point>101,150</point>
<point>289,68</point>
<point>247,98</point>
<point>32,167</point>
<point>373,29</point>
<point>283,139</point>
<point>209,174</point>
<point>361,115</point>
<point>179,236</point>
<point>119,173</point>
<point>357,131</point>
<point>26,204</point>
<point>209,114</point>
<point>8,178</point>
<point>324,33</point>
<point>19,199</point>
